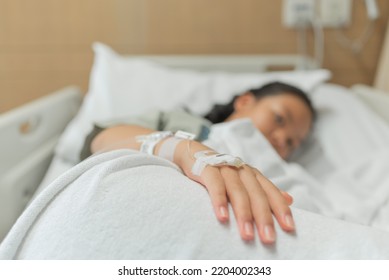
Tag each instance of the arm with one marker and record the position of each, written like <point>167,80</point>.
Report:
<point>253,197</point>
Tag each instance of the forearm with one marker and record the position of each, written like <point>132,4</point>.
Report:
<point>124,137</point>
<point>118,137</point>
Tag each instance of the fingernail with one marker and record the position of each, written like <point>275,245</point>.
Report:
<point>269,233</point>
<point>289,221</point>
<point>248,229</point>
<point>223,212</point>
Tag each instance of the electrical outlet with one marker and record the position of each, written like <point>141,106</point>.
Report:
<point>335,13</point>
<point>298,13</point>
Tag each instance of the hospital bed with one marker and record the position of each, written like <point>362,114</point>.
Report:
<point>40,169</point>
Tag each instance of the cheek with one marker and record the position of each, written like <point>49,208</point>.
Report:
<point>263,123</point>
<point>305,128</point>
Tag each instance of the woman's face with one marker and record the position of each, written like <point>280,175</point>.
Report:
<point>284,119</point>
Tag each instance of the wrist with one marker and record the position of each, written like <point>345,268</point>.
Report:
<point>167,143</point>
<point>180,153</point>
<point>184,155</point>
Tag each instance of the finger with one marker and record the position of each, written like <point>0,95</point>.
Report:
<point>214,183</point>
<point>278,204</point>
<point>259,205</point>
<point>240,201</point>
<point>288,197</point>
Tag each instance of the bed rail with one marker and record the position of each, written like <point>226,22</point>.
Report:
<point>28,137</point>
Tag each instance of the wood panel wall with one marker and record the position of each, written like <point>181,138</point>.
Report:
<point>46,44</point>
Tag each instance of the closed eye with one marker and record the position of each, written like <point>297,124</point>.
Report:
<point>279,119</point>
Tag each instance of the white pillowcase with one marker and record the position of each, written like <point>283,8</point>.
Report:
<point>124,86</point>
<point>346,132</point>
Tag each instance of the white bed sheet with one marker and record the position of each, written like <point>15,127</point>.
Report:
<point>57,167</point>
<point>129,205</point>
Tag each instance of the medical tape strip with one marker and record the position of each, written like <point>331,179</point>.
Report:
<point>149,141</point>
<point>168,147</point>
<point>203,159</point>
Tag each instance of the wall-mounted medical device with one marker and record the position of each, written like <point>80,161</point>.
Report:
<point>330,13</point>
<point>319,14</point>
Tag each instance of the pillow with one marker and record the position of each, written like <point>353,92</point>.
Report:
<point>377,99</point>
<point>124,86</point>
<point>347,131</point>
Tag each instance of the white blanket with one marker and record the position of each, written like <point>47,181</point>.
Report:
<point>128,205</point>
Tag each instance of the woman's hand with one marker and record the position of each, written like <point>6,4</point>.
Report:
<point>253,197</point>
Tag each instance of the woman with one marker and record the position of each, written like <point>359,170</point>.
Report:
<point>282,113</point>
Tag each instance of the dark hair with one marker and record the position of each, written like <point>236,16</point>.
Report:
<point>220,113</point>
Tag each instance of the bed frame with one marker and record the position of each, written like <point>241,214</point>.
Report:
<point>234,63</point>
<point>29,133</point>
<point>28,137</point>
